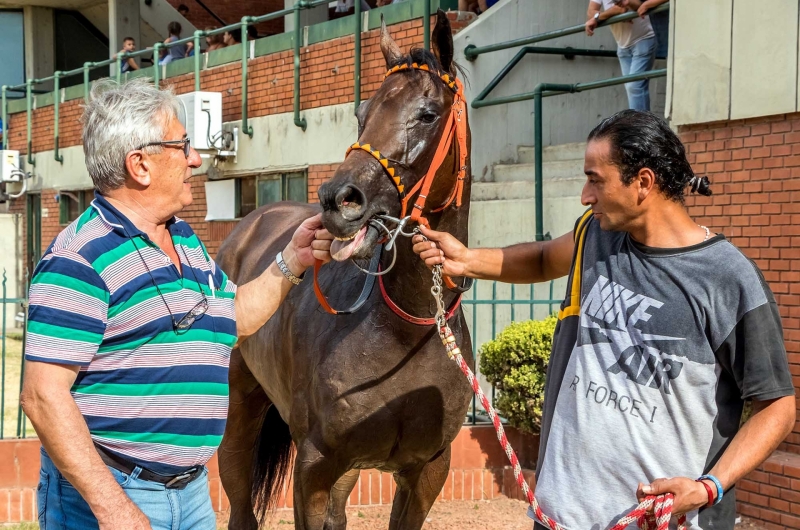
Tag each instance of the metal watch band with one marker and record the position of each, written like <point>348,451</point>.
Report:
<point>285,270</point>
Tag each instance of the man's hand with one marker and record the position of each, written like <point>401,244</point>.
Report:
<point>643,9</point>
<point>442,249</point>
<point>310,242</point>
<point>688,494</point>
<point>131,518</point>
<point>591,25</point>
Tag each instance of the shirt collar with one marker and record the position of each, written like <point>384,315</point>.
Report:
<point>120,224</point>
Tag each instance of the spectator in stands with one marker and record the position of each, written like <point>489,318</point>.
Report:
<point>636,46</point>
<point>347,7</point>
<point>174,52</point>
<point>232,37</point>
<point>252,32</point>
<point>214,42</point>
<point>183,9</point>
<point>660,22</point>
<point>475,6</point>
<point>128,46</point>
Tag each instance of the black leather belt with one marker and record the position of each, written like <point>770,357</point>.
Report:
<point>178,481</point>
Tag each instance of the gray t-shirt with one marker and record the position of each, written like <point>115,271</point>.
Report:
<point>654,354</point>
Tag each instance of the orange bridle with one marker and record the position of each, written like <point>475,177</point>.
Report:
<point>455,128</point>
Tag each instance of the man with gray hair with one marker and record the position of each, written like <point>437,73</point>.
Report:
<point>131,326</point>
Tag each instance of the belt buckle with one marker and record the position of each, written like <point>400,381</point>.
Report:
<point>180,481</point>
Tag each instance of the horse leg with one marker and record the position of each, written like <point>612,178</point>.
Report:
<point>417,491</point>
<point>314,478</point>
<point>336,518</point>
<point>247,408</point>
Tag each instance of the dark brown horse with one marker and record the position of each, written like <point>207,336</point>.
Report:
<point>358,391</point>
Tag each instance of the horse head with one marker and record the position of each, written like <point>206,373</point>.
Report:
<point>399,129</point>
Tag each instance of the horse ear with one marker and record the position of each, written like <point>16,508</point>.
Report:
<point>442,41</point>
<point>391,51</point>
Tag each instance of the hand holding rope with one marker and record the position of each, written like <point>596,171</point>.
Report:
<point>653,513</point>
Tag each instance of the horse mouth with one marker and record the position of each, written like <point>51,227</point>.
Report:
<point>355,246</point>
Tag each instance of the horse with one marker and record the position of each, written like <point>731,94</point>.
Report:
<point>365,389</point>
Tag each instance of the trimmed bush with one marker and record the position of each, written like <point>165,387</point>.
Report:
<point>516,363</point>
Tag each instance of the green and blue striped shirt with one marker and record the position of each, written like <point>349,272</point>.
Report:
<point>153,395</point>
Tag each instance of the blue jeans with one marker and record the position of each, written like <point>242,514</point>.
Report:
<point>61,507</point>
<point>634,60</point>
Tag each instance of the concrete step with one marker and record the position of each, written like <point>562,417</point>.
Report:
<point>525,189</point>
<point>552,153</point>
<point>550,170</point>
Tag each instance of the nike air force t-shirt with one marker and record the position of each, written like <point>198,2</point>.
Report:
<point>653,356</point>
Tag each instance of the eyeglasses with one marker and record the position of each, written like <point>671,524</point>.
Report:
<point>194,313</point>
<point>185,143</point>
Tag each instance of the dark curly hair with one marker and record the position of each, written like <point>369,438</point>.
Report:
<point>641,139</point>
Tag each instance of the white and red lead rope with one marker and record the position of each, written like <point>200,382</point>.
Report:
<point>653,513</point>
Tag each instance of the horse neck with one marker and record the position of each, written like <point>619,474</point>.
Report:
<point>409,284</point>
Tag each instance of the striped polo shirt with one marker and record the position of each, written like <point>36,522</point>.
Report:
<point>153,395</point>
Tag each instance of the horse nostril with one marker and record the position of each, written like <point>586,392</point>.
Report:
<point>351,202</point>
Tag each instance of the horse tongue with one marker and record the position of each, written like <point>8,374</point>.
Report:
<point>342,250</point>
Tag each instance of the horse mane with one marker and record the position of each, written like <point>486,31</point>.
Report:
<point>422,56</point>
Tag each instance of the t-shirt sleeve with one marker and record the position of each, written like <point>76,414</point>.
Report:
<point>754,353</point>
<point>68,310</point>
<point>221,279</point>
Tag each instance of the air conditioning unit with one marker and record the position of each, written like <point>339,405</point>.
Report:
<point>9,167</point>
<point>203,119</point>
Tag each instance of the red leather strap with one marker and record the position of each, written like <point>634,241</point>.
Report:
<point>318,290</point>
<point>709,491</point>
<point>411,318</point>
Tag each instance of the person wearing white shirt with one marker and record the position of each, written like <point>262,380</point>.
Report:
<point>636,46</point>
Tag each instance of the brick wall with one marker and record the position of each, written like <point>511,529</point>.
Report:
<point>232,11</point>
<point>754,168</point>
<point>478,471</point>
<point>772,492</point>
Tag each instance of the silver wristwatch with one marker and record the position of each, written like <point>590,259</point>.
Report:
<point>285,270</point>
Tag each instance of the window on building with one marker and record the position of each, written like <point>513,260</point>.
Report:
<point>12,42</point>
<point>71,205</point>
<point>253,192</point>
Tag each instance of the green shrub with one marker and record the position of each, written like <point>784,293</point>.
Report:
<point>516,363</point>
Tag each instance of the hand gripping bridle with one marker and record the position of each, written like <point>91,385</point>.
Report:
<point>455,130</point>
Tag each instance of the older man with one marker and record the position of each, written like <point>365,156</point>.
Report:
<point>131,327</point>
<point>665,330</point>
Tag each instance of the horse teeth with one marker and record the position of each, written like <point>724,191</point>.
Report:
<point>345,238</point>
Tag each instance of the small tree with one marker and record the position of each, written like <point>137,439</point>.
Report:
<point>516,363</point>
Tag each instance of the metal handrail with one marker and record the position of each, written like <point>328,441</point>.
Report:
<point>472,52</point>
<point>544,90</point>
<point>241,26</point>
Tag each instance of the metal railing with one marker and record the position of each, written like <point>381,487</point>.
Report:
<point>11,358</point>
<point>489,313</point>
<point>543,90</point>
<point>29,86</point>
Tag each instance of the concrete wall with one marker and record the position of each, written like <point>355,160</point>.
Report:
<point>733,59</point>
<point>498,130</point>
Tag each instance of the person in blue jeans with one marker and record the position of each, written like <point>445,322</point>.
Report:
<point>636,46</point>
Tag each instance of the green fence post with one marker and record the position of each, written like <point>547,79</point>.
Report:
<point>156,66</point>
<point>247,129</point>
<point>426,25</point>
<point>3,369</point>
<point>56,102</point>
<point>537,182</point>
<point>119,67</point>
<point>298,35</point>
<point>357,56</point>
<point>86,67</point>
<point>197,35</point>
<point>29,100</point>
<point>5,117</point>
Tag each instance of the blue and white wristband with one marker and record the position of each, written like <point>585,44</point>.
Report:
<point>717,484</point>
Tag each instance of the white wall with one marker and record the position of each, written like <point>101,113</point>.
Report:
<point>733,59</point>
<point>498,130</point>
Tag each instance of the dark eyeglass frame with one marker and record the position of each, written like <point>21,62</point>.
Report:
<point>185,143</point>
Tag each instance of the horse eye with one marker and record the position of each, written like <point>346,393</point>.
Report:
<point>428,117</point>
